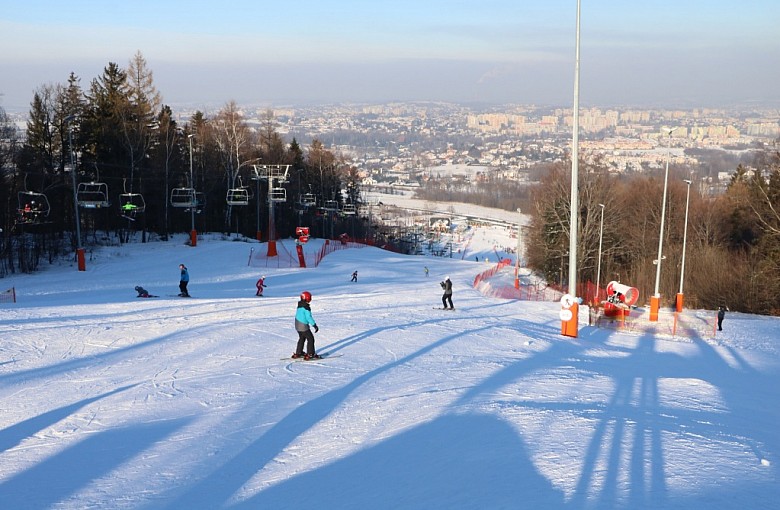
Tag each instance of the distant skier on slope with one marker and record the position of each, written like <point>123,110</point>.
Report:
<point>260,286</point>
<point>142,292</point>
<point>184,279</point>
<point>304,321</point>
<point>446,285</point>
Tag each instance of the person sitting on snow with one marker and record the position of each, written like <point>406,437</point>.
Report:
<point>142,292</point>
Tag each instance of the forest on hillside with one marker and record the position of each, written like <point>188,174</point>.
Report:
<point>115,157</point>
<point>731,242</point>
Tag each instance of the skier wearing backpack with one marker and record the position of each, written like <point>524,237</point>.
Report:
<point>304,321</point>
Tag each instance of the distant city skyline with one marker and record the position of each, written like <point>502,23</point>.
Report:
<point>665,53</point>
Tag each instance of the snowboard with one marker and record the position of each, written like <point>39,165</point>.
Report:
<point>440,308</point>
<point>324,357</point>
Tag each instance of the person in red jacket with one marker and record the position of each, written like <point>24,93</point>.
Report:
<point>260,286</point>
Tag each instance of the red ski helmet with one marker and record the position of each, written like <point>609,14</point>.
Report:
<point>306,296</point>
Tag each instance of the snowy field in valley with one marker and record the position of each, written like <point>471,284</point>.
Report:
<point>108,401</point>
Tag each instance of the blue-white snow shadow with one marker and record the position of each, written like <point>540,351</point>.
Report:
<point>455,461</point>
<point>55,479</point>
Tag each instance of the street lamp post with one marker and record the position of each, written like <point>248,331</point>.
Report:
<point>194,204</point>
<point>570,303</point>
<point>601,236</point>
<point>679,301</point>
<point>517,255</point>
<point>82,265</point>
<point>655,300</point>
<point>258,232</point>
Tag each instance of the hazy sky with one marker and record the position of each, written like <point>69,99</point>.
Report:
<point>633,52</point>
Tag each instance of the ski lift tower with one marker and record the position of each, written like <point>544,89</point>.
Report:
<point>276,175</point>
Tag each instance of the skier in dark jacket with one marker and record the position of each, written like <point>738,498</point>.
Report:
<point>183,281</point>
<point>447,297</point>
<point>304,321</point>
<point>721,316</point>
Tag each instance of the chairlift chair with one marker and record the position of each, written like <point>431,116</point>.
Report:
<point>277,194</point>
<point>308,200</point>
<point>183,197</point>
<point>92,195</point>
<point>238,196</point>
<point>330,205</point>
<point>131,204</point>
<point>349,209</point>
<point>33,207</point>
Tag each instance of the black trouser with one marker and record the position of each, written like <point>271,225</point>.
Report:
<point>303,336</point>
<point>183,287</point>
<point>720,323</point>
<point>445,298</point>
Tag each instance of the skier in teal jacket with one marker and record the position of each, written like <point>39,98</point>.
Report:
<point>183,281</point>
<point>304,321</point>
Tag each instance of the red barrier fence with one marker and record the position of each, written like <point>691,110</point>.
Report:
<point>332,245</point>
<point>492,283</point>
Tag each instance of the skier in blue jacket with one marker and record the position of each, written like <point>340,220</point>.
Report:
<point>303,324</point>
<point>183,281</point>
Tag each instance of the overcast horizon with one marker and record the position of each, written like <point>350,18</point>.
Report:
<point>698,54</point>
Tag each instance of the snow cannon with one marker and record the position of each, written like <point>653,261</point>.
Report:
<point>629,295</point>
<point>619,299</point>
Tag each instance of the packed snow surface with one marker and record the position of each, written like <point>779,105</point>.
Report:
<point>108,401</point>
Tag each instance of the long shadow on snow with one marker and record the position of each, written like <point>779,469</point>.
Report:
<point>611,419</point>
<point>338,345</point>
<point>453,462</point>
<point>217,488</point>
<point>26,376</point>
<point>634,415</point>
<point>456,461</point>
<point>15,434</point>
<point>55,479</point>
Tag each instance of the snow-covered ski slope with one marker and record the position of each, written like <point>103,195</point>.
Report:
<point>108,401</point>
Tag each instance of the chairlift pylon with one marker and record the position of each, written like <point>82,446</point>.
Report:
<point>200,201</point>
